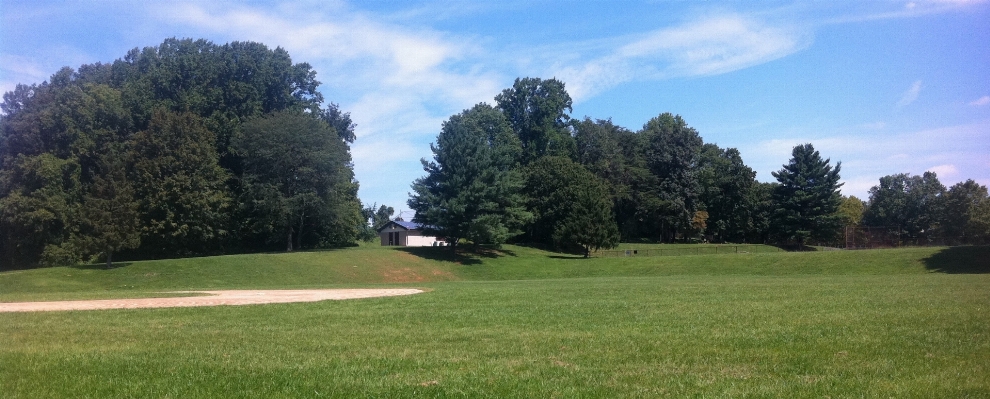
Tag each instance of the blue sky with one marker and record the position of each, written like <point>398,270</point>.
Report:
<point>883,86</point>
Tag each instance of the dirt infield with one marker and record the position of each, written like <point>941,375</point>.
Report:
<point>215,298</point>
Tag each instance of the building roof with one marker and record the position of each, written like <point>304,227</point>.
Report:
<point>403,224</point>
<point>409,225</point>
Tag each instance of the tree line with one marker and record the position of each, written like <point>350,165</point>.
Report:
<point>523,170</point>
<point>182,149</point>
<point>920,210</point>
<point>190,148</point>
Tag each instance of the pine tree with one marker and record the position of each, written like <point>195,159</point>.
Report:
<point>110,221</point>
<point>807,198</point>
<point>471,189</point>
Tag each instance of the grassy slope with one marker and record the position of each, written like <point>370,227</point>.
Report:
<point>377,265</point>
<point>527,324</point>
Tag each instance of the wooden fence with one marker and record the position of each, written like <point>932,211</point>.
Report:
<point>680,251</point>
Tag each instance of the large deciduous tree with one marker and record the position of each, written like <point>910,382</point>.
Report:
<point>110,221</point>
<point>965,213</point>
<point>807,198</point>
<point>672,149</point>
<point>571,206</point>
<point>909,205</point>
<point>724,183</point>
<point>298,181</point>
<point>179,185</point>
<point>537,110</point>
<point>472,190</point>
<point>54,136</point>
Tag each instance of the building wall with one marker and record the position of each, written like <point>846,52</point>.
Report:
<point>407,238</point>
<point>417,239</point>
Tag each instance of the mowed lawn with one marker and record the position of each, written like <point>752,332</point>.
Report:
<point>519,323</point>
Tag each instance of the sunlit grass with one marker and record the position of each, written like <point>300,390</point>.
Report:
<point>525,324</point>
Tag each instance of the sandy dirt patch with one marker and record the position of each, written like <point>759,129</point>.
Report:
<point>214,298</point>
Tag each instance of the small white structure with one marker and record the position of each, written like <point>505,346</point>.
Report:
<point>406,234</point>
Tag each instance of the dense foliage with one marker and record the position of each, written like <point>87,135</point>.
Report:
<point>472,189</point>
<point>919,210</point>
<point>149,156</point>
<point>191,148</point>
<point>590,183</point>
<point>807,198</point>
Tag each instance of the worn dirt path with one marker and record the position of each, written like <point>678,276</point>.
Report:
<point>215,298</point>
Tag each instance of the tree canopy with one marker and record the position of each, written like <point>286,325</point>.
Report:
<point>169,115</point>
<point>472,189</point>
<point>538,112</point>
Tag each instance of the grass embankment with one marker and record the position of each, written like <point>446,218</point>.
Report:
<point>377,265</point>
<point>524,324</point>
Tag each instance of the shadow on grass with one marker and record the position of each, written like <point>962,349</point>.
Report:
<point>795,247</point>
<point>462,255</point>
<point>960,260</point>
<point>100,266</point>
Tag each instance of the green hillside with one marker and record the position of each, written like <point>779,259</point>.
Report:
<point>518,323</point>
<point>390,265</point>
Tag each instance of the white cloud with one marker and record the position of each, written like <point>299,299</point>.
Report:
<point>985,100</point>
<point>707,46</point>
<point>944,171</point>
<point>15,69</point>
<point>910,94</point>
<point>18,69</point>
<point>958,151</point>
<point>398,83</point>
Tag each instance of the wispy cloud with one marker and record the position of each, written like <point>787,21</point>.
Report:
<point>708,46</point>
<point>883,10</point>
<point>985,100</point>
<point>958,151</point>
<point>944,171</point>
<point>911,94</point>
<point>18,69</point>
<point>398,82</point>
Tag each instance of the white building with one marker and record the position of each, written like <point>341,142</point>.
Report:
<point>406,234</point>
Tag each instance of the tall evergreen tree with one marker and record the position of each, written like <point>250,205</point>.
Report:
<point>472,189</point>
<point>807,198</point>
<point>617,156</point>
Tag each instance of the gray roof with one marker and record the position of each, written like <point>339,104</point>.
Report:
<point>403,224</point>
<point>409,225</point>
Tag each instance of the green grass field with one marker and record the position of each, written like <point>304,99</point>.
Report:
<point>516,323</point>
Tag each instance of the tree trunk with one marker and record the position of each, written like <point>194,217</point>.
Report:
<point>288,241</point>
<point>109,260</point>
<point>302,218</point>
